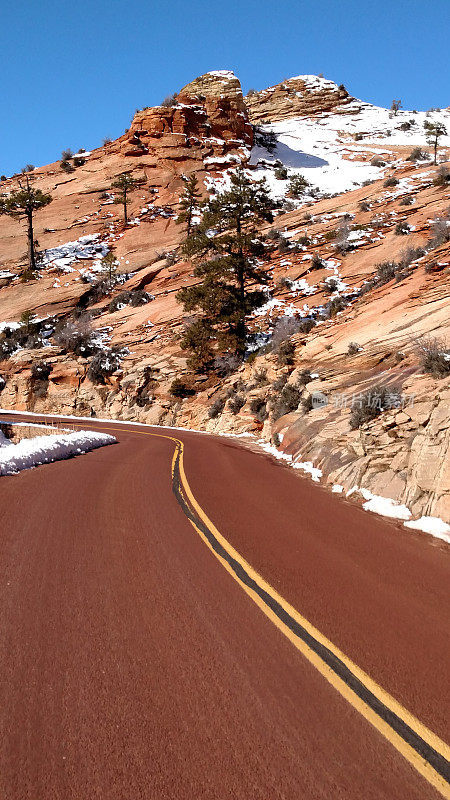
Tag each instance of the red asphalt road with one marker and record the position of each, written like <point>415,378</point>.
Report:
<point>133,667</point>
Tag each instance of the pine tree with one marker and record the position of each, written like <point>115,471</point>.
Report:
<point>190,202</point>
<point>124,184</point>
<point>433,132</point>
<point>22,203</point>
<point>224,247</point>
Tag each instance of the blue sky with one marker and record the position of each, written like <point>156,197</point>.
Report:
<point>74,73</point>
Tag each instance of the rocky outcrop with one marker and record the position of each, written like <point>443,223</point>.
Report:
<point>303,96</point>
<point>207,117</point>
<point>403,454</point>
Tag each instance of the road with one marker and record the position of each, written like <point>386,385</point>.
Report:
<point>141,658</point>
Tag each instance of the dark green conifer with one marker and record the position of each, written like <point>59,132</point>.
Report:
<point>22,203</point>
<point>225,247</point>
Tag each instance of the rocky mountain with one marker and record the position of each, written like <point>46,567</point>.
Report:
<point>303,96</point>
<point>358,282</point>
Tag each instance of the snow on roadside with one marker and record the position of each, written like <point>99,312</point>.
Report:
<point>305,466</point>
<point>30,453</point>
<point>432,525</point>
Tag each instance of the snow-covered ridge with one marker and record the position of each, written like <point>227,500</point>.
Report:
<point>314,82</point>
<point>222,73</point>
<point>334,151</point>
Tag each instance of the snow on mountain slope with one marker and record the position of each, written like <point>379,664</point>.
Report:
<point>333,151</point>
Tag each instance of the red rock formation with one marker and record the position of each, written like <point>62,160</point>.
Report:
<point>209,118</point>
<point>305,95</point>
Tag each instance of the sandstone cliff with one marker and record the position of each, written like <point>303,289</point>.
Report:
<point>368,205</point>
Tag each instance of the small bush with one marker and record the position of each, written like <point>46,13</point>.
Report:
<point>440,230</point>
<point>216,408</point>
<point>304,377</point>
<point>303,240</point>
<point>410,254</point>
<point>297,186</point>
<point>286,354</point>
<point>353,348</point>
<point>331,285</point>
<point>390,182</point>
<point>284,244</point>
<point>265,139</point>
<point>316,262</point>
<point>435,357</point>
<point>259,378</point>
<point>283,283</point>
<point>417,154</point>
<point>334,306</point>
<point>280,382</point>
<point>227,364</point>
<point>307,404</point>
<point>402,228</point>
<point>377,162</point>
<point>281,173</point>
<point>169,101</point>
<point>372,403</point>
<point>40,371</point>
<point>76,335</point>
<point>179,388</point>
<point>288,400</point>
<point>442,177</point>
<point>66,166</point>
<point>134,298</point>
<point>386,271</point>
<point>27,336</point>
<point>288,205</point>
<point>103,364</point>
<point>284,328</point>
<point>364,205</point>
<point>342,244</point>
<point>306,325</point>
<point>258,407</point>
<point>407,200</point>
<point>236,403</point>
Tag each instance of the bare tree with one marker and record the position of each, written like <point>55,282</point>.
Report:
<point>396,106</point>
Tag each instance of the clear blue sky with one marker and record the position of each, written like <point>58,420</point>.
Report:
<point>73,73</point>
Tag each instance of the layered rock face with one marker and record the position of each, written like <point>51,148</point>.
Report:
<point>404,453</point>
<point>208,117</point>
<point>303,96</point>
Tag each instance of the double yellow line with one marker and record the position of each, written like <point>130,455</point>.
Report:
<point>430,740</point>
<point>425,751</point>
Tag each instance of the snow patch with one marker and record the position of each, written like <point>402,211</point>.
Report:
<point>432,525</point>
<point>44,449</point>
